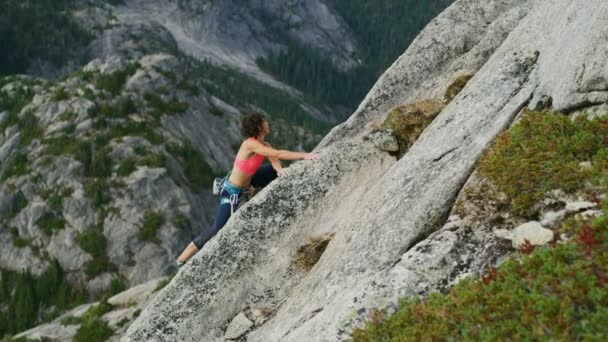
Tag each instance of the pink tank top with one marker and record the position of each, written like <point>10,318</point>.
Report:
<point>251,165</point>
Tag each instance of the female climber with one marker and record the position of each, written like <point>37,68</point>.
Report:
<point>247,170</point>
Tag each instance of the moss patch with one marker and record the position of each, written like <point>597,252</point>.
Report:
<point>456,87</point>
<point>542,152</point>
<point>554,293</point>
<point>152,222</point>
<point>309,253</point>
<point>51,222</point>
<point>558,292</point>
<point>409,121</point>
<point>197,170</point>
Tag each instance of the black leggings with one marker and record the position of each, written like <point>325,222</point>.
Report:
<point>264,175</point>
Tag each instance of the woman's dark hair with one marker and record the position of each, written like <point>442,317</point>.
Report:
<point>251,124</point>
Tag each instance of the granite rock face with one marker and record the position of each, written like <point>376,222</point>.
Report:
<point>235,33</point>
<point>386,214</point>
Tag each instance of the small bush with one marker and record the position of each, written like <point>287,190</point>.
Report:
<point>19,204</point>
<point>29,128</point>
<point>114,82</point>
<point>197,170</point>
<point>49,223</point>
<point>17,240</point>
<point>93,241</point>
<point>158,107</point>
<point>168,74</point>
<point>68,116</point>
<point>60,95</point>
<point>94,155</point>
<point>542,152</point>
<point>97,190</point>
<point>55,201</point>
<point>456,87</point>
<point>152,222</point>
<point>153,160</point>
<point>126,167</point>
<point>95,267</point>
<point>61,145</point>
<point>23,296</point>
<point>93,331</point>
<point>17,165</point>
<point>137,129</point>
<point>308,254</point>
<point>408,122</point>
<point>181,221</point>
<point>117,285</point>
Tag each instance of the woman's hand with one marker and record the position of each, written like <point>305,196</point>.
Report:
<point>311,156</point>
<point>283,172</point>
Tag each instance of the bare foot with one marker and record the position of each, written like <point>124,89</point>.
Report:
<point>187,253</point>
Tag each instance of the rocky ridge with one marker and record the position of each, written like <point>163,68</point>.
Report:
<point>394,224</point>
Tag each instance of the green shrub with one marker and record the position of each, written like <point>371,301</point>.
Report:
<point>97,190</point>
<point>542,152</point>
<point>114,82</point>
<point>93,241</point>
<point>68,116</point>
<point>17,240</point>
<point>94,155</point>
<point>117,285</point>
<point>168,74</point>
<point>55,201</point>
<point>23,296</point>
<point>19,204</point>
<point>29,129</point>
<point>158,107</point>
<point>17,165</point>
<point>97,266</point>
<point>62,145</point>
<point>154,160</point>
<point>101,164</point>
<point>189,87</point>
<point>409,121</point>
<point>93,331</point>
<point>554,293</point>
<point>126,167</point>
<point>137,129</point>
<point>152,222</point>
<point>197,170</point>
<point>89,94</point>
<point>60,95</point>
<point>49,223</point>
<point>21,243</point>
<point>14,104</point>
<point>181,221</point>
<point>139,150</point>
<point>456,87</point>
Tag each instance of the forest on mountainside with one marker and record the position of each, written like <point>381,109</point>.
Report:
<point>382,29</point>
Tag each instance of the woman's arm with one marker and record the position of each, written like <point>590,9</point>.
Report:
<point>275,162</point>
<point>269,152</point>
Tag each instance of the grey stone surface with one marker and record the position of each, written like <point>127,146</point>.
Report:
<point>236,33</point>
<point>575,207</point>
<point>54,331</point>
<point>550,218</point>
<point>384,140</point>
<point>531,231</point>
<point>238,327</point>
<point>136,295</point>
